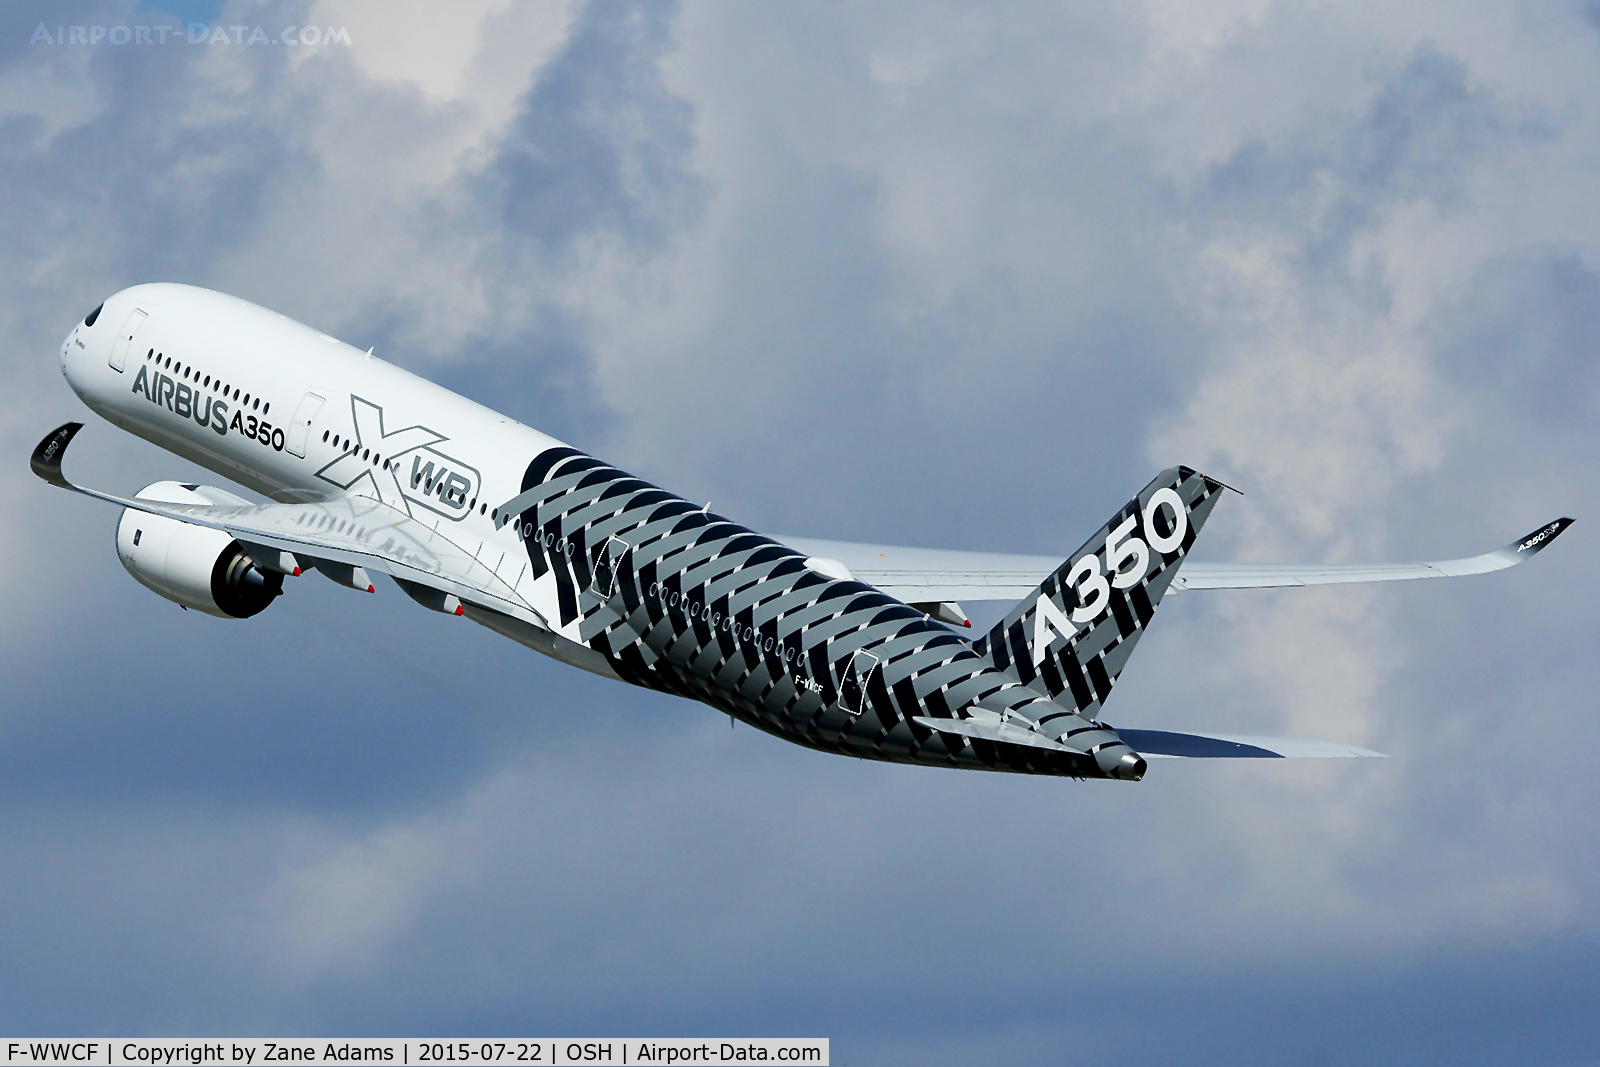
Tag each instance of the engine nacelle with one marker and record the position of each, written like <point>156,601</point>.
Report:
<point>195,566</point>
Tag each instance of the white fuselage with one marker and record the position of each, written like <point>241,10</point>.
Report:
<point>221,381</point>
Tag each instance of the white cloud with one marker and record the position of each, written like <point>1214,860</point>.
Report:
<point>960,275</point>
<point>340,898</point>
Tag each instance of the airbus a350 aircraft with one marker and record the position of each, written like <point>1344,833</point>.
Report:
<point>837,646</point>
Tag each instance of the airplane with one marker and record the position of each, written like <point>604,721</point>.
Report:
<point>842,647</point>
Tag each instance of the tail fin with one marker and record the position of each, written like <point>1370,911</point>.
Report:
<point>1070,639</point>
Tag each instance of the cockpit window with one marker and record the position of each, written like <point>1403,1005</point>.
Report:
<point>95,314</point>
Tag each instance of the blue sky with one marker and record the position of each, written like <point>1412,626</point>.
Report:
<point>945,275</point>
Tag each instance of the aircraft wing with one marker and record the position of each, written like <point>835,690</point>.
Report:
<point>351,530</point>
<point>931,575</point>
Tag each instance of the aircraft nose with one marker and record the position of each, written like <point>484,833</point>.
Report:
<point>73,355</point>
<point>75,349</point>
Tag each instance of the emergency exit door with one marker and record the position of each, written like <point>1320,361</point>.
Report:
<point>295,440</point>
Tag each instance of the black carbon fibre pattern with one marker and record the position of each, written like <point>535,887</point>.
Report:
<point>1078,674</point>
<point>686,602</point>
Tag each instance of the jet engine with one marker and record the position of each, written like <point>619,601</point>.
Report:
<point>194,566</point>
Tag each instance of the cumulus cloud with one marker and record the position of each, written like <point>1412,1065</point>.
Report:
<point>952,276</point>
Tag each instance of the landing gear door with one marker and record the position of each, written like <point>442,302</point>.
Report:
<point>853,686</point>
<point>125,336</point>
<point>300,427</point>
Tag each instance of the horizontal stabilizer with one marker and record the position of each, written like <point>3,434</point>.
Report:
<point>1165,743</point>
<point>993,729</point>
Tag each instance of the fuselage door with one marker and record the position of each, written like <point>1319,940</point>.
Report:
<point>300,428</point>
<point>857,678</point>
<point>124,341</point>
<point>606,562</point>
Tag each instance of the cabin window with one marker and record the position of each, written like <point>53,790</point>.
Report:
<point>324,436</point>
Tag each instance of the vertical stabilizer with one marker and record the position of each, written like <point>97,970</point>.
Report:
<point>1070,639</point>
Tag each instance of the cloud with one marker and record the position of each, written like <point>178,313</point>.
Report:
<point>956,276</point>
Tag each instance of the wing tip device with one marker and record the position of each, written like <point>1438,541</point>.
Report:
<point>46,458</point>
<point>1538,540</point>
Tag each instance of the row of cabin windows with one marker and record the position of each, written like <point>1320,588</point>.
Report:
<point>347,445</point>
<point>165,363</point>
<point>344,444</point>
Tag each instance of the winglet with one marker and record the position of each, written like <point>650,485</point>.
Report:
<point>46,459</point>
<point>1538,540</point>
